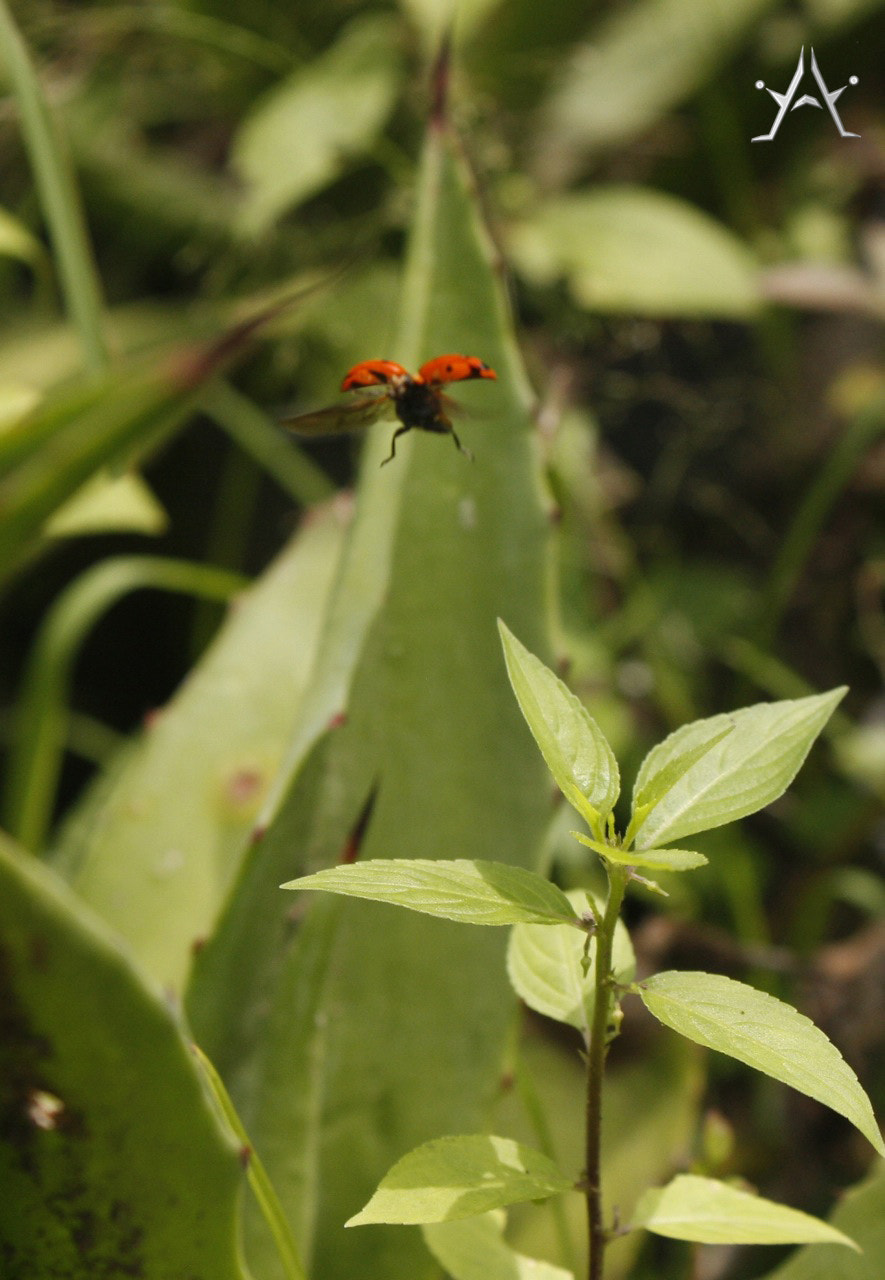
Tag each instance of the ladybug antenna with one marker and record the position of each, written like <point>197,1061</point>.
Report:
<point>439,79</point>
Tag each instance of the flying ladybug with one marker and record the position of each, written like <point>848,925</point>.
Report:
<point>386,390</point>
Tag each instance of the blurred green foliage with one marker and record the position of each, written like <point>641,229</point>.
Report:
<point>701,321</point>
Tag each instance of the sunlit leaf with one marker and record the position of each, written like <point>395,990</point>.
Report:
<point>764,1033</point>
<point>743,771</point>
<point>479,892</point>
<point>457,1177</point>
<point>657,859</point>
<point>711,1212</point>
<point>475,1249</point>
<point>570,740</point>
<point>545,965</point>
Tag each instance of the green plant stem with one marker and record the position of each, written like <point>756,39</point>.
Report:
<point>59,196</point>
<point>262,1187</point>
<point>596,1055</point>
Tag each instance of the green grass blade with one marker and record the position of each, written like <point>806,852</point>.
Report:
<point>58,193</point>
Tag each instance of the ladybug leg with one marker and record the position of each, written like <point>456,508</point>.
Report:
<point>459,446</point>
<point>400,431</point>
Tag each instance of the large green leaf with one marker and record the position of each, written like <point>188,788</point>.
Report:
<point>157,851</point>
<point>711,1212</point>
<point>763,1032</point>
<point>457,1177</point>
<point>742,770</point>
<point>489,893</point>
<point>411,1027</point>
<point>111,1161</point>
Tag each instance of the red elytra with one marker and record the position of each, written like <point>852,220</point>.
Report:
<point>415,399</point>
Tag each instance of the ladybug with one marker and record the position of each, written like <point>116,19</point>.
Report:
<point>385,389</point>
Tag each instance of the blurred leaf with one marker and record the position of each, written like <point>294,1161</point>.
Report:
<point>306,131</point>
<point>435,19</point>
<point>16,241</point>
<point>47,455</point>
<point>860,1213</point>
<point>16,400</point>
<point>104,1172</point>
<point>764,1033</point>
<point>638,64</point>
<point>629,249</point>
<point>166,840</point>
<point>570,740</point>
<point>457,1177</point>
<point>108,504</point>
<point>475,1249</point>
<point>711,1212</point>
<point>546,967</point>
<point>745,770</point>
<point>489,893</point>
<point>59,196</point>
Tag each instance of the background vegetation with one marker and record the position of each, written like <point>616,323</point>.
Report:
<point>677,495</point>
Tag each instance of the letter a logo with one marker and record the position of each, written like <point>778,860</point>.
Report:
<point>783,100</point>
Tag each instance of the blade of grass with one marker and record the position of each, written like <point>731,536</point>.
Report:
<point>58,192</point>
<point>860,434</point>
<point>256,434</point>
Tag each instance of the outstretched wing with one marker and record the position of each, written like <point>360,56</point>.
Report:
<point>339,419</point>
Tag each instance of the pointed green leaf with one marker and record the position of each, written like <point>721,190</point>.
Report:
<point>457,1177</point>
<point>471,892</point>
<point>659,859</point>
<point>570,740</point>
<point>661,769</point>
<point>763,1032</point>
<point>711,1212</point>
<point>741,772</point>
<point>475,1249</point>
<point>545,966</point>
<point>111,1161</point>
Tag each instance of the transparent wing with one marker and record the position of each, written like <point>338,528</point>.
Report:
<point>339,419</point>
